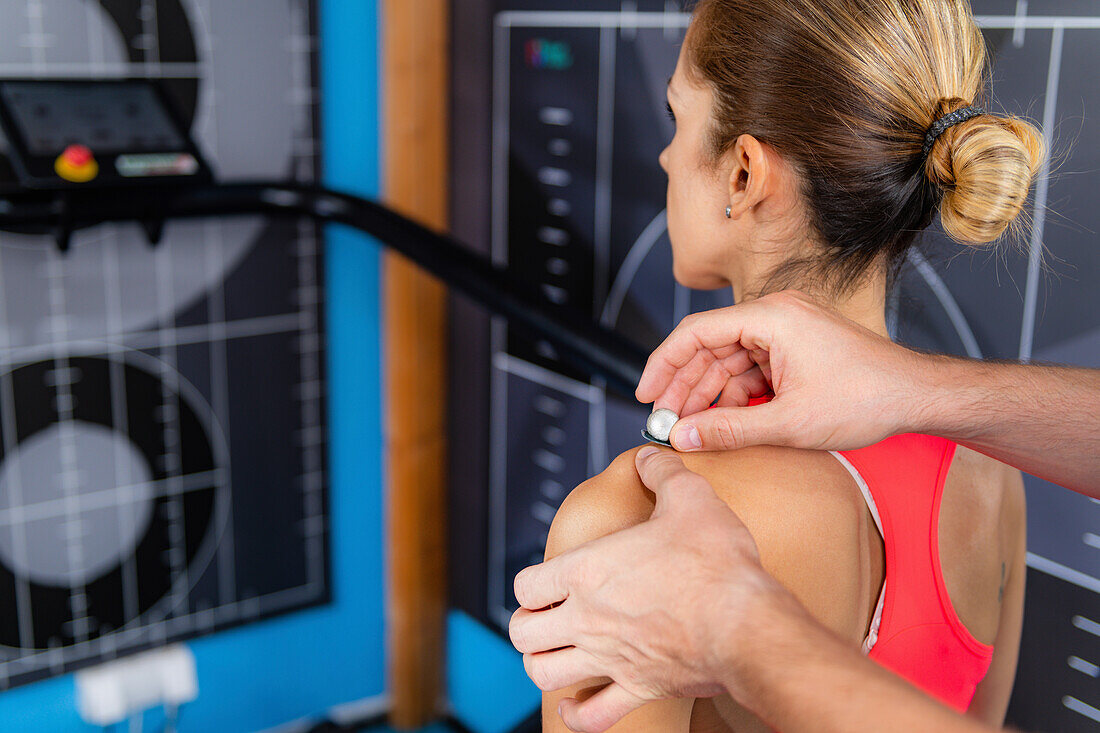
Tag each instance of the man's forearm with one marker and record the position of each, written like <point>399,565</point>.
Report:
<point>1041,419</point>
<point>798,676</point>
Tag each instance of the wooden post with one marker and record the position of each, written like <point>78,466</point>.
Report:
<point>416,101</point>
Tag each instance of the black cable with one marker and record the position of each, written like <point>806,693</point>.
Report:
<point>588,345</point>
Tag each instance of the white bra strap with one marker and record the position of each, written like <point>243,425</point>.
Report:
<point>863,488</point>
<point>876,619</point>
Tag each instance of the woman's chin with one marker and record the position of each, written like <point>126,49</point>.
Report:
<point>697,280</point>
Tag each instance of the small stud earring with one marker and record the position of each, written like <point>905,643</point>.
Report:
<point>729,211</point>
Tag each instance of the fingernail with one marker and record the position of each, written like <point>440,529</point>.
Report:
<point>646,452</point>
<point>687,438</point>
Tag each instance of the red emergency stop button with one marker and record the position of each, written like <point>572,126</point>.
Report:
<point>76,164</point>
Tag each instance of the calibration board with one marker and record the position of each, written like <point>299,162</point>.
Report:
<point>161,409</point>
<point>578,122</point>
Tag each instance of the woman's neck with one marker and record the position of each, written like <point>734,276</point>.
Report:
<point>864,303</point>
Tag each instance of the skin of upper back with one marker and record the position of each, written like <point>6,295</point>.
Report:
<point>816,536</point>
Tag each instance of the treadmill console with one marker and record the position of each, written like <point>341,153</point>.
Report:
<point>77,133</point>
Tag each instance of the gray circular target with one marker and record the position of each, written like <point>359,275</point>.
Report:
<point>112,517</point>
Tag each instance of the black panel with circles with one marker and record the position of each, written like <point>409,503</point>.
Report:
<point>35,410</point>
<point>163,447</point>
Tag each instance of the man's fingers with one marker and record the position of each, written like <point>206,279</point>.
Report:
<point>675,359</point>
<point>663,364</point>
<point>731,428</point>
<point>732,389</point>
<point>539,631</point>
<point>599,712</point>
<point>685,380</point>
<point>561,668</point>
<point>659,468</point>
<point>746,326</point>
<point>735,363</point>
<point>666,476</point>
<point>539,586</point>
<point>739,389</point>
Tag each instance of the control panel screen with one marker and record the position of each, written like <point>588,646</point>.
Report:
<point>107,118</point>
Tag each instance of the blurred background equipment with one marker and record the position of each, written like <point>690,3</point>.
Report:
<point>155,485</point>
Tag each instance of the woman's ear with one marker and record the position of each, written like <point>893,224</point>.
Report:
<point>750,175</point>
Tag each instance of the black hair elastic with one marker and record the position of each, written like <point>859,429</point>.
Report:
<point>948,120</point>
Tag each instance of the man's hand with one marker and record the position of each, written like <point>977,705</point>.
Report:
<point>658,608</point>
<point>837,385</point>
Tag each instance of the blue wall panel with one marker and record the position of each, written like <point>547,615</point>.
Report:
<point>489,691</point>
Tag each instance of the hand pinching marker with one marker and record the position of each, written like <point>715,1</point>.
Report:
<point>659,425</point>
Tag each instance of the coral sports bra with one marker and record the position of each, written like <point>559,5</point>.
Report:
<point>919,635</point>
<point>916,632</point>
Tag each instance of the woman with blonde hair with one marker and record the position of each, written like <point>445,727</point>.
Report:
<point>815,139</point>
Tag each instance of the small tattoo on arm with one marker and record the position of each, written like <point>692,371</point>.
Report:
<point>1001,591</point>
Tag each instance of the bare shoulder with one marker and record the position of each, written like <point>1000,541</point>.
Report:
<point>608,502</point>
<point>812,525</point>
<point>765,485</point>
<point>782,488</point>
<point>802,507</point>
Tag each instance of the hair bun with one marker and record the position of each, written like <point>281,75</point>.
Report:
<point>985,166</point>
